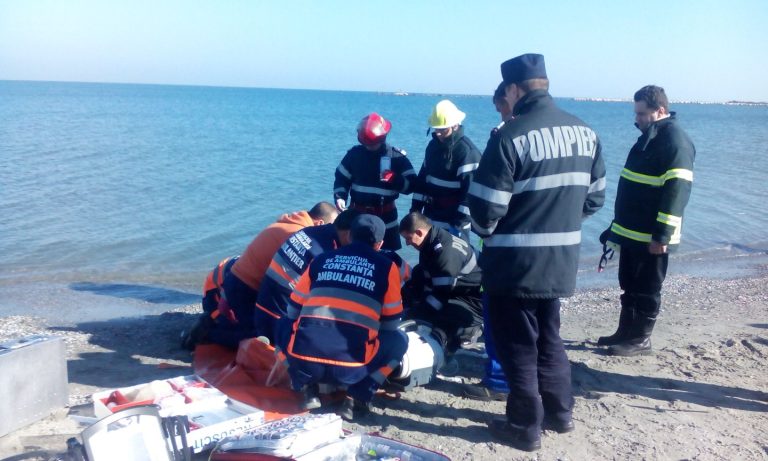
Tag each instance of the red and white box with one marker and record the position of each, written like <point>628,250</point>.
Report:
<point>212,415</point>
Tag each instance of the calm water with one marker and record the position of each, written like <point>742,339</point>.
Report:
<point>114,189</point>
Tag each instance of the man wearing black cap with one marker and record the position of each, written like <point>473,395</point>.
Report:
<point>341,324</point>
<point>538,178</point>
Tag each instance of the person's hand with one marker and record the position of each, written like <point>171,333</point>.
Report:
<point>226,311</point>
<point>656,248</point>
<point>341,204</point>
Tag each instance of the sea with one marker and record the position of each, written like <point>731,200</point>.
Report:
<point>117,199</point>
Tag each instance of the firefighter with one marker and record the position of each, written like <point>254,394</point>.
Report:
<point>539,177</point>
<point>341,324</point>
<point>373,174</point>
<point>653,191</point>
<point>445,289</point>
<point>449,162</point>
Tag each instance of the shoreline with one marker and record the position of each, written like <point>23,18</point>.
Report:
<point>701,396</point>
<point>69,299</point>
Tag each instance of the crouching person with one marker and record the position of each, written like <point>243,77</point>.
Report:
<point>341,324</point>
<point>445,288</point>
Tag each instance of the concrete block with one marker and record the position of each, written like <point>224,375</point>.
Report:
<point>33,380</point>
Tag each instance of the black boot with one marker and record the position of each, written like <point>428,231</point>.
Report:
<point>625,321</point>
<point>639,342</point>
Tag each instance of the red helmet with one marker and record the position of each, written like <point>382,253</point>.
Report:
<point>373,129</point>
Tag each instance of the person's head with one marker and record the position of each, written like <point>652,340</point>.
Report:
<point>445,119</point>
<point>414,228</point>
<point>523,74</point>
<point>369,230</point>
<point>651,104</point>
<point>343,225</point>
<point>323,213</point>
<point>372,131</point>
<point>500,101</point>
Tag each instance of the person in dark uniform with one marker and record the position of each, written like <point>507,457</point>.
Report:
<point>653,191</point>
<point>341,324</point>
<point>290,261</point>
<point>537,180</point>
<point>373,174</point>
<point>445,288</point>
<point>449,162</point>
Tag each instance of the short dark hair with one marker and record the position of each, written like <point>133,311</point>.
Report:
<point>344,219</point>
<point>500,93</point>
<point>653,96</point>
<point>324,211</point>
<point>534,84</point>
<point>414,220</point>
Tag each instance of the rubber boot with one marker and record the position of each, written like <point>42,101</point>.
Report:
<point>625,321</point>
<point>639,342</point>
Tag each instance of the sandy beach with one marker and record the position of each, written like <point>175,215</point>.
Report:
<point>702,396</point>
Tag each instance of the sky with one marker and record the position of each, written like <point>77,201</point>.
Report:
<point>701,50</point>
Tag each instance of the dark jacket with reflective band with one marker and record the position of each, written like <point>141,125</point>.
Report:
<point>290,261</point>
<point>444,179</point>
<point>539,176</point>
<point>213,281</point>
<point>359,176</point>
<point>340,303</point>
<point>654,186</point>
<point>450,266</point>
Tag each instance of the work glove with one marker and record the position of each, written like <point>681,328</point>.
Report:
<point>341,204</point>
<point>226,311</point>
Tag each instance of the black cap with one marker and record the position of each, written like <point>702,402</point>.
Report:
<point>523,67</point>
<point>368,228</point>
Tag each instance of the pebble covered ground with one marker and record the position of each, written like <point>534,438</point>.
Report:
<point>701,396</point>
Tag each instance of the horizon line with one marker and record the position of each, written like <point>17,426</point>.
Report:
<point>396,93</point>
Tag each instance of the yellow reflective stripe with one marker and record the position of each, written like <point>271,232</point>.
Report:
<point>656,181</point>
<point>669,219</point>
<point>630,234</point>
<point>678,173</point>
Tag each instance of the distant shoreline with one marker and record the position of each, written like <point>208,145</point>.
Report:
<point>726,103</point>
<point>380,92</point>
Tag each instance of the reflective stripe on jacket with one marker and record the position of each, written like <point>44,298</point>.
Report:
<point>654,186</point>
<point>290,261</point>
<point>541,174</point>
<point>339,305</point>
<point>358,176</point>
<point>444,179</point>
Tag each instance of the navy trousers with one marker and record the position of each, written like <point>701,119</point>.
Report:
<point>641,275</point>
<point>242,300</point>
<point>362,382</point>
<point>526,333</point>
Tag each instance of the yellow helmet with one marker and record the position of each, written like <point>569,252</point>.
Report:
<point>446,115</point>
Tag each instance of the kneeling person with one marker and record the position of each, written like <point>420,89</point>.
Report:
<point>290,261</point>
<point>341,324</point>
<point>445,287</point>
